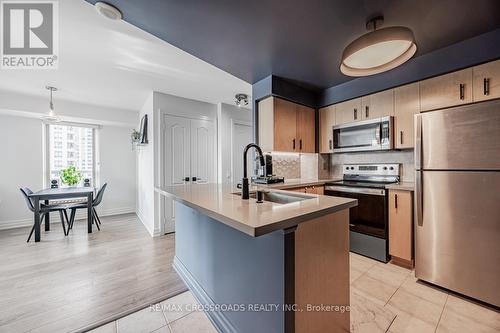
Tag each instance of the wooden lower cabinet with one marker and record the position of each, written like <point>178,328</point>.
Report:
<point>401,227</point>
<point>313,189</point>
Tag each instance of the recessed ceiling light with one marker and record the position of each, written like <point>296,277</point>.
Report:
<point>108,11</point>
<point>379,50</point>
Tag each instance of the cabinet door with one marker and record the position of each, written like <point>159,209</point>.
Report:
<point>297,189</point>
<point>446,90</point>
<point>347,112</point>
<point>378,105</point>
<point>202,151</point>
<point>486,81</point>
<point>320,190</point>
<point>400,224</point>
<point>326,122</point>
<point>285,126</point>
<point>406,105</point>
<point>306,129</point>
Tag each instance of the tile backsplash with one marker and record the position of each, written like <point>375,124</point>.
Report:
<point>404,157</point>
<point>286,165</point>
<point>294,166</point>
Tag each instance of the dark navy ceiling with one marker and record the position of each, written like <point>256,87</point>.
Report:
<point>301,40</point>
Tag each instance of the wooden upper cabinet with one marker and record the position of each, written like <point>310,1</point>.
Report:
<point>306,129</point>
<point>406,105</point>
<point>486,81</point>
<point>326,122</point>
<point>378,105</point>
<point>400,224</point>
<point>348,111</point>
<point>446,90</point>
<point>286,126</point>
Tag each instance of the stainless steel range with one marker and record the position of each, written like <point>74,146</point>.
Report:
<point>369,220</point>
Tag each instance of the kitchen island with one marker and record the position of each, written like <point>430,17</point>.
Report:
<point>277,266</point>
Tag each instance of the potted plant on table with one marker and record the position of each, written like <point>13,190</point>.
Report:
<point>70,176</point>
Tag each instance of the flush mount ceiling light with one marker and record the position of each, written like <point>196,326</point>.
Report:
<point>241,100</point>
<point>108,11</point>
<point>379,50</point>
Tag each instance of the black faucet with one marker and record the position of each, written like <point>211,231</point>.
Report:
<point>244,182</point>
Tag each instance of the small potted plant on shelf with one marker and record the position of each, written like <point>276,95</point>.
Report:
<point>70,176</point>
<point>135,137</point>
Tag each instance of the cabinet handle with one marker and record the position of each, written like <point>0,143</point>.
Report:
<point>401,137</point>
<point>194,179</point>
<point>396,201</point>
<point>330,144</point>
<point>462,91</point>
<point>367,111</point>
<point>293,144</point>
<point>300,144</point>
<point>186,179</point>
<point>355,114</point>
<point>486,86</point>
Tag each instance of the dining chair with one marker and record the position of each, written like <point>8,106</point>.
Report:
<point>97,200</point>
<point>44,210</point>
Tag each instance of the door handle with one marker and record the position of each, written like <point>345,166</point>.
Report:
<point>355,114</point>
<point>367,111</point>
<point>486,86</point>
<point>462,91</point>
<point>194,179</point>
<point>401,137</point>
<point>300,144</point>
<point>293,144</point>
<point>418,142</point>
<point>419,204</point>
<point>186,179</point>
<point>396,201</point>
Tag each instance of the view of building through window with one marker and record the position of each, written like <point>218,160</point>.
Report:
<point>71,146</point>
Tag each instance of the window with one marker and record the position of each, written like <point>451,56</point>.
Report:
<point>71,145</point>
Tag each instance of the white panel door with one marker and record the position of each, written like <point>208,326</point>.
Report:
<point>241,135</point>
<point>202,151</point>
<point>176,161</point>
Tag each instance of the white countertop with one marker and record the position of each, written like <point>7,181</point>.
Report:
<point>219,202</point>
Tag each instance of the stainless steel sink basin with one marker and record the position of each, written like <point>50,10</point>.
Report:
<point>280,198</point>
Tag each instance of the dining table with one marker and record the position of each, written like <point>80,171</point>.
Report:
<point>46,195</point>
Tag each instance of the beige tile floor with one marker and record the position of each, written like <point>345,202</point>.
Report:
<point>384,298</point>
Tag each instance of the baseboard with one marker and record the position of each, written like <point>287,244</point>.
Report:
<point>143,221</point>
<point>12,224</point>
<point>221,323</point>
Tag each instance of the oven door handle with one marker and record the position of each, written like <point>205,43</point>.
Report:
<point>360,190</point>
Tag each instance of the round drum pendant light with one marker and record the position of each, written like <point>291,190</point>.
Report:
<point>379,50</point>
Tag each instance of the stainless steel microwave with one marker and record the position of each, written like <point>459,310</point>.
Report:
<point>365,135</point>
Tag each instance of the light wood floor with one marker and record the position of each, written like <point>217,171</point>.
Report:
<point>65,284</point>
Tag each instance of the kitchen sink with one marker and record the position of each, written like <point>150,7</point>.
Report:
<point>279,198</point>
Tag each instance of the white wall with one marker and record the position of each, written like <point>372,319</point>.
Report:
<point>226,116</point>
<point>22,156</point>
<point>145,171</point>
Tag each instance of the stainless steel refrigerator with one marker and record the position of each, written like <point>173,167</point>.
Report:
<point>457,199</point>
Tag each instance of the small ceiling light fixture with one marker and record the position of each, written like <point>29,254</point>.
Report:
<point>51,115</point>
<point>108,11</point>
<point>241,100</point>
<point>379,50</point>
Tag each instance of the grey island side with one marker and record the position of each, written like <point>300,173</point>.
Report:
<point>264,267</point>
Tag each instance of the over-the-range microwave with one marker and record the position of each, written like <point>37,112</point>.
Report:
<point>365,135</point>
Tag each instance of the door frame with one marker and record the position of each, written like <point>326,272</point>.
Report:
<point>237,122</point>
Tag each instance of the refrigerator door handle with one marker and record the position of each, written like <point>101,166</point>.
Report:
<point>418,142</point>
<point>419,203</point>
